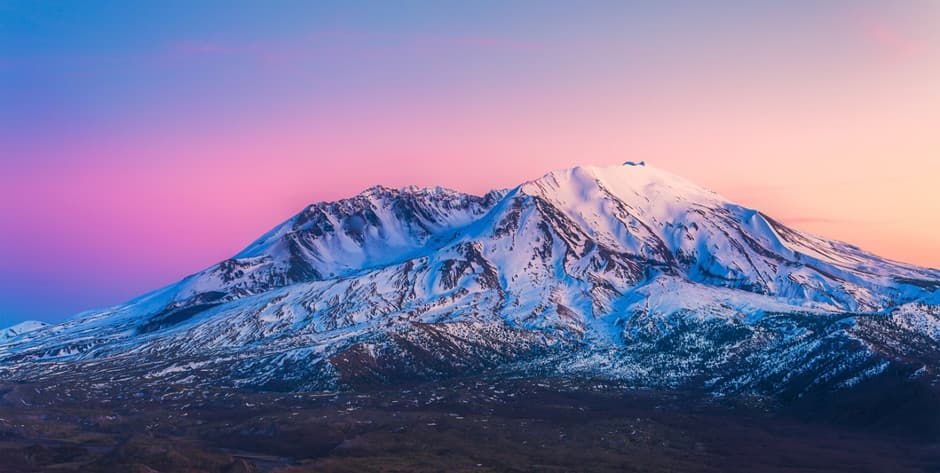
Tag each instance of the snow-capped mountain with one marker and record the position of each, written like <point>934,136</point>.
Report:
<point>21,328</point>
<point>626,272</point>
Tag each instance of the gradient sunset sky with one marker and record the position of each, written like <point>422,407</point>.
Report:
<point>143,141</point>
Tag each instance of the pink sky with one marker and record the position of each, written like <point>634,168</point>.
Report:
<point>137,157</point>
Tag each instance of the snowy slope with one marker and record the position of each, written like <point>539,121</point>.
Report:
<point>623,271</point>
<point>21,328</point>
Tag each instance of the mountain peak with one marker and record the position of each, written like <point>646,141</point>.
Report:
<point>21,328</point>
<point>625,271</point>
<point>637,184</point>
<point>381,190</point>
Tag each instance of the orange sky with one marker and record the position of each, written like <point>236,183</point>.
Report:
<point>144,142</point>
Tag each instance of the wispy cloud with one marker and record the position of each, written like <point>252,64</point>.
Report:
<point>481,42</point>
<point>345,41</point>
<point>187,51</point>
<point>888,38</point>
<point>810,219</point>
<point>196,47</point>
<point>424,40</point>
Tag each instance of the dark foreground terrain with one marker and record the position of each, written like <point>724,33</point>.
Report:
<point>474,425</point>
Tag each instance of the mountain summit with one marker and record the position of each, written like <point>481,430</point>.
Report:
<point>626,272</point>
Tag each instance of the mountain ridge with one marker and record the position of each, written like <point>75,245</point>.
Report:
<point>625,271</point>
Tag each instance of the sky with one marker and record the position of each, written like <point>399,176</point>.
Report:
<point>143,141</point>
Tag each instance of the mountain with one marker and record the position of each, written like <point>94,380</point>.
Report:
<point>21,328</point>
<point>624,272</point>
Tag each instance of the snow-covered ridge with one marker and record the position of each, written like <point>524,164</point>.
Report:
<point>21,328</point>
<point>595,265</point>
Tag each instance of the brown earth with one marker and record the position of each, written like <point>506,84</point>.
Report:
<point>470,425</point>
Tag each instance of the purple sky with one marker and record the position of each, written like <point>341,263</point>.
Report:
<point>143,141</point>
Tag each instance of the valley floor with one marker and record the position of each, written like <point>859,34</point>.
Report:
<point>469,425</point>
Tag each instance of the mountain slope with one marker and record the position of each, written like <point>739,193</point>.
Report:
<point>625,271</point>
<point>21,328</point>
